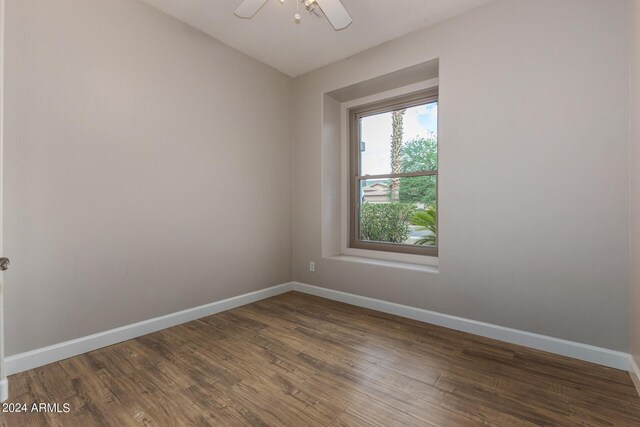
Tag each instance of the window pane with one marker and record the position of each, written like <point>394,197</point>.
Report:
<point>399,210</point>
<point>400,141</point>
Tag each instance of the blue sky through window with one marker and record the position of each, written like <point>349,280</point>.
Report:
<point>419,122</point>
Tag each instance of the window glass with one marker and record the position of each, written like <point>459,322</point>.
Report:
<point>395,173</point>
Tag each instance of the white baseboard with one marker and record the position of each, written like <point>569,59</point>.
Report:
<point>33,359</point>
<point>4,390</point>
<point>589,353</point>
<point>634,371</point>
<point>43,356</point>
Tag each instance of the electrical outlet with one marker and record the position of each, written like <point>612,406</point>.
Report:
<point>312,266</point>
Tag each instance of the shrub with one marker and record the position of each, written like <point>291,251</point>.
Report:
<point>426,220</point>
<point>385,222</point>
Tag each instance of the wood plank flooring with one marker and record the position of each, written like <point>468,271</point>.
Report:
<point>299,360</point>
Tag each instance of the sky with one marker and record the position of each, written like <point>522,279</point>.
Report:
<point>419,121</point>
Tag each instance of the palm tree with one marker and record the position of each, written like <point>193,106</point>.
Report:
<point>426,220</point>
<point>397,124</point>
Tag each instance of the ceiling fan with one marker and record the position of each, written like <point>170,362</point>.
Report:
<point>332,9</point>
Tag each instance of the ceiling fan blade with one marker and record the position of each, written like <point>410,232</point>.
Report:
<point>248,8</point>
<point>335,13</point>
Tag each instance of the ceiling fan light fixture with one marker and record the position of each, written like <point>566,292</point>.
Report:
<point>333,10</point>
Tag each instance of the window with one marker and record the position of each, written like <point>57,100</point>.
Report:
<point>393,191</point>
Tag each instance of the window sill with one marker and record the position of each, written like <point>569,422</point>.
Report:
<point>432,267</point>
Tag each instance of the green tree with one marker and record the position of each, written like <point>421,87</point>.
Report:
<point>417,155</point>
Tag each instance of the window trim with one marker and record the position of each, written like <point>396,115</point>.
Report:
<point>355,114</point>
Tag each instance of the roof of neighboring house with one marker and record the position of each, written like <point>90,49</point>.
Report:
<point>377,189</point>
<point>376,185</point>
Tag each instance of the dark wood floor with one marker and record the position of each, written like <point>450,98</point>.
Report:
<point>300,360</point>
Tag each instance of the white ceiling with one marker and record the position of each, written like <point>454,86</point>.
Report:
<point>273,38</point>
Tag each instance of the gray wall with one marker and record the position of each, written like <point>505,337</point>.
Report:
<point>634,195</point>
<point>534,170</point>
<point>148,169</point>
